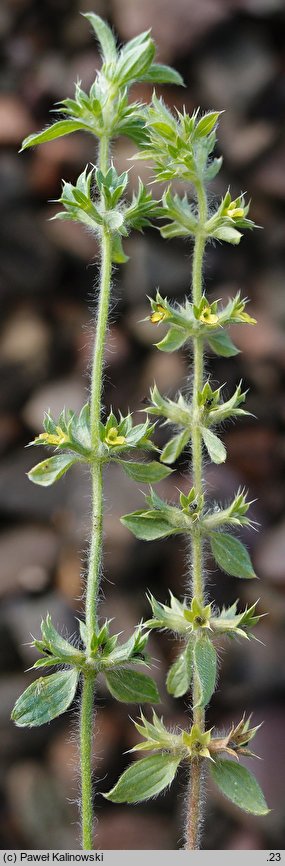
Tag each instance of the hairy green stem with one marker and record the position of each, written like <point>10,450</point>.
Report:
<point>104,153</point>
<point>93,578</point>
<point>95,553</point>
<point>194,804</point>
<point>86,728</point>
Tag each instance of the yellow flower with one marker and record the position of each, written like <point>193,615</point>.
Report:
<point>112,437</point>
<point>207,317</point>
<point>197,742</point>
<point>233,211</point>
<point>159,314</point>
<point>198,615</point>
<point>58,438</point>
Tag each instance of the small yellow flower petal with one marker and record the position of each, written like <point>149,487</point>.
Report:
<point>207,317</point>
<point>54,439</point>
<point>235,212</point>
<point>159,314</point>
<point>112,438</point>
<point>156,317</point>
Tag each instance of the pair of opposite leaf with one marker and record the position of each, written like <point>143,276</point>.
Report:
<point>149,776</point>
<point>50,696</point>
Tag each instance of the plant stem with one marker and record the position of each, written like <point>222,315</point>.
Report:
<point>95,553</point>
<point>86,728</point>
<point>93,578</point>
<point>194,817</point>
<point>194,804</point>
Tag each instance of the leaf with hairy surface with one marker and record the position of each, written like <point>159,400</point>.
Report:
<point>144,779</point>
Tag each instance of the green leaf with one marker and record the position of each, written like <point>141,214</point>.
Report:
<point>104,35</point>
<point>57,644</point>
<point>174,339</point>
<point>231,555</point>
<point>180,674</point>
<point>228,234</point>
<point>145,778</point>
<point>54,640</point>
<point>134,61</point>
<point>132,687</point>
<point>174,447</point>
<point>57,130</point>
<point>49,471</point>
<point>47,662</point>
<point>205,664</point>
<point>146,472</point>
<point>135,129</point>
<point>222,344</point>
<point>148,526</point>
<point>206,124</point>
<point>83,632</point>
<point>215,447</point>
<point>119,257</point>
<point>45,699</point>
<point>240,786</point>
<point>213,168</point>
<point>158,73</point>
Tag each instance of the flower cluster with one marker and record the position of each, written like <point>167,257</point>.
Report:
<point>171,748</point>
<point>96,200</point>
<point>70,435</point>
<point>204,320</point>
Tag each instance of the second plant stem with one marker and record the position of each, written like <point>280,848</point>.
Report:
<point>95,552</point>
<point>194,804</point>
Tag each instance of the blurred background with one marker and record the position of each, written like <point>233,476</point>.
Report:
<point>231,54</point>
